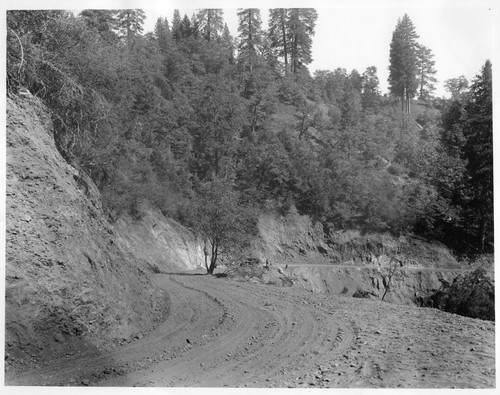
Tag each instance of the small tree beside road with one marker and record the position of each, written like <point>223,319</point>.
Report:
<point>388,275</point>
<point>223,223</point>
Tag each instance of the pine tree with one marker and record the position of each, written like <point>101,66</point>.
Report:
<point>370,88</point>
<point>356,80</point>
<point>176,25</point>
<point>185,28</point>
<point>211,23</point>
<point>278,34</point>
<point>227,42</point>
<point>425,72</point>
<point>162,34</point>
<point>249,34</point>
<point>101,20</point>
<point>301,24</point>
<point>402,80</point>
<point>350,107</point>
<point>195,27</point>
<point>130,23</point>
<point>478,151</point>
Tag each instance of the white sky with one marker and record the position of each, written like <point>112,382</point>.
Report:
<point>351,33</point>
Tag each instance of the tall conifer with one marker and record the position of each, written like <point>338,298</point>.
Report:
<point>402,80</point>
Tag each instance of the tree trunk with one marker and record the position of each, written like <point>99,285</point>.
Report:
<point>404,104</point>
<point>383,296</point>
<point>205,252</point>
<point>213,258</point>
<point>285,42</point>
<point>482,234</point>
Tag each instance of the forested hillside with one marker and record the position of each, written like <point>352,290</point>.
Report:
<point>214,129</point>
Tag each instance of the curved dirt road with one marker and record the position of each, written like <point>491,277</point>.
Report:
<point>221,332</point>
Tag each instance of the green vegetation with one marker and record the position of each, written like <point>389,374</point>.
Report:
<point>170,115</point>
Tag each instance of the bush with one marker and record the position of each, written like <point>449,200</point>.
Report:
<point>472,296</point>
<point>360,294</point>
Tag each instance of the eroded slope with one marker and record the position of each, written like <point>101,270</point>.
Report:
<point>69,286</point>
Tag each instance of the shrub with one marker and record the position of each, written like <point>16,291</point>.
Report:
<point>472,296</point>
<point>360,294</point>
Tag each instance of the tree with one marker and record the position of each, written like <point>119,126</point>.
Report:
<point>356,80</point>
<point>457,87</point>
<point>227,42</point>
<point>308,115</point>
<point>278,34</point>
<point>218,124</point>
<point>425,72</point>
<point>370,92</point>
<point>250,35</point>
<point>103,21</point>
<point>263,169</point>
<point>176,25</point>
<point>472,295</point>
<point>331,84</point>
<point>478,151</point>
<point>185,28</point>
<point>467,139</point>
<point>390,272</point>
<point>301,24</point>
<point>222,222</point>
<point>130,23</point>
<point>211,23</point>
<point>259,89</point>
<point>162,34</point>
<point>402,79</point>
<point>350,107</point>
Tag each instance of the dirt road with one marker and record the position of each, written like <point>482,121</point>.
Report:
<point>221,332</point>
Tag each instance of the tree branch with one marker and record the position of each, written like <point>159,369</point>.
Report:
<point>22,52</point>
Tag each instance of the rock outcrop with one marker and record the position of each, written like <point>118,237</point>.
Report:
<point>158,242</point>
<point>348,262</point>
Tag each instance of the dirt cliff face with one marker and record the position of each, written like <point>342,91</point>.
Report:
<point>348,262</point>
<point>159,243</point>
<point>70,283</point>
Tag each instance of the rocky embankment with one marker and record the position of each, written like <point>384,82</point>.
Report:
<point>350,263</point>
<point>74,283</point>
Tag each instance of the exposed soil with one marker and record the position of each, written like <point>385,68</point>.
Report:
<point>222,332</point>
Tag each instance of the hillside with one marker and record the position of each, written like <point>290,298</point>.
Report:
<point>74,282</point>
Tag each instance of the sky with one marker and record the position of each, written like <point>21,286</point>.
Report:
<point>351,34</point>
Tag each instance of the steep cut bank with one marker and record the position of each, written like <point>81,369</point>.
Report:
<point>158,242</point>
<point>74,283</point>
<point>350,263</point>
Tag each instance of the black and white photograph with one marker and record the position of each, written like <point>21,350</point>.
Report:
<point>202,196</point>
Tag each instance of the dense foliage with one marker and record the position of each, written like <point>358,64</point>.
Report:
<point>168,115</point>
<point>472,295</point>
